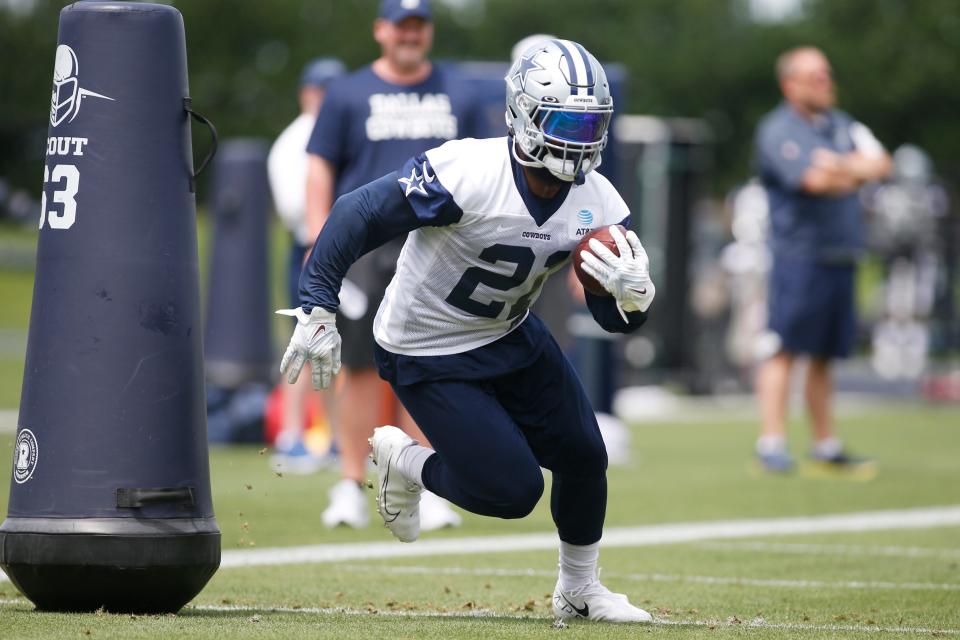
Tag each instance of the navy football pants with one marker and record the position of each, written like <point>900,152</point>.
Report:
<point>492,437</point>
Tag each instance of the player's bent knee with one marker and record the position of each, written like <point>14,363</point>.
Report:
<point>586,459</point>
<point>593,461</point>
<point>522,496</point>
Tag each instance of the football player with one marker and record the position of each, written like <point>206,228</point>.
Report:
<point>372,120</point>
<point>488,222</point>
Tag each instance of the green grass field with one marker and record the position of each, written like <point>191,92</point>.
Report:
<point>17,260</point>
<point>855,584</point>
<point>897,582</point>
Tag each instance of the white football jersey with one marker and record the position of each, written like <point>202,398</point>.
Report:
<point>465,284</point>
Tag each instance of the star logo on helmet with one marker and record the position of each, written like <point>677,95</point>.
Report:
<point>526,65</point>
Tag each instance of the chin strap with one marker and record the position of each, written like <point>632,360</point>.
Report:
<point>578,179</point>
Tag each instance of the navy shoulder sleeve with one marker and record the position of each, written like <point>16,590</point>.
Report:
<point>359,222</point>
<point>432,203</point>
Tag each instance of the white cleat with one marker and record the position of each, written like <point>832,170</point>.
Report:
<point>348,506</point>
<point>398,500</point>
<point>596,602</point>
<point>436,513</point>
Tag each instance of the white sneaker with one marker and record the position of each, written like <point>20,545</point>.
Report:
<point>596,602</point>
<point>398,500</point>
<point>435,513</point>
<point>348,505</point>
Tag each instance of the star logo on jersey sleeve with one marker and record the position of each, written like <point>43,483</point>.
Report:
<point>413,183</point>
<point>416,180</point>
<point>526,65</point>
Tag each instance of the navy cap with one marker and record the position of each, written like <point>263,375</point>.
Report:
<point>319,71</point>
<point>397,10</point>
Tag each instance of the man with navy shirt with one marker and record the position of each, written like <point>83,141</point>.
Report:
<point>487,221</point>
<point>812,160</point>
<point>373,120</point>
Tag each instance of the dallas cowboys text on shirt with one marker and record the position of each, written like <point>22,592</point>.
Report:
<point>409,116</point>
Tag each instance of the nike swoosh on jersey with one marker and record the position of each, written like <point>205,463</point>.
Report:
<point>426,173</point>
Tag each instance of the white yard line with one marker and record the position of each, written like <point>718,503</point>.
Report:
<point>755,623</point>
<point>660,577</point>
<point>613,537</point>
<point>759,623</point>
<point>657,577</point>
<point>833,549</point>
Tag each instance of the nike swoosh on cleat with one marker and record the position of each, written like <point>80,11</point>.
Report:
<point>584,612</point>
<point>383,497</point>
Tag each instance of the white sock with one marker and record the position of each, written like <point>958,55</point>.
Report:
<point>578,565</point>
<point>767,445</point>
<point>410,462</point>
<point>828,447</point>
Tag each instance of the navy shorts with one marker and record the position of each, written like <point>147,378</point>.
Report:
<point>811,307</point>
<point>492,436</point>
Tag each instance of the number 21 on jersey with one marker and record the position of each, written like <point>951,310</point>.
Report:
<point>462,298</point>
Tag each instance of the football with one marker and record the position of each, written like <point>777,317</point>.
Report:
<point>603,235</point>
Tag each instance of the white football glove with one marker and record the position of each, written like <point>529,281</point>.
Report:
<point>626,277</point>
<point>315,339</point>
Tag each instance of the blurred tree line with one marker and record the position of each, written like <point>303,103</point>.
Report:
<point>896,62</point>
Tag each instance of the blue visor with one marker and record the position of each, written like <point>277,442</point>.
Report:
<point>583,127</point>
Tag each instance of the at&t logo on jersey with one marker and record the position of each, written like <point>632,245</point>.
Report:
<point>67,95</point>
<point>584,222</point>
